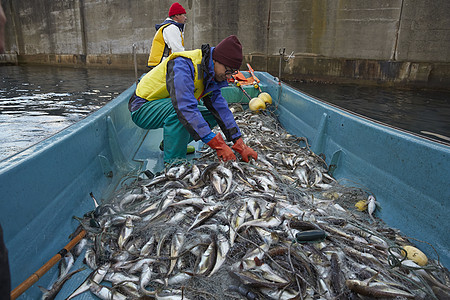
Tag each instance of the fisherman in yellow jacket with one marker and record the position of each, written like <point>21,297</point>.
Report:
<point>169,37</point>
<point>182,96</point>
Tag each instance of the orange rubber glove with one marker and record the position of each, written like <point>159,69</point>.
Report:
<point>244,150</point>
<point>223,151</point>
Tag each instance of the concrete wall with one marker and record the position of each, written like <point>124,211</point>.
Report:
<point>385,41</point>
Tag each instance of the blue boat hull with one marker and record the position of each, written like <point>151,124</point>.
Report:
<point>44,186</point>
<point>409,175</point>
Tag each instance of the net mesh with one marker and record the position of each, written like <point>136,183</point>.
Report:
<point>203,229</point>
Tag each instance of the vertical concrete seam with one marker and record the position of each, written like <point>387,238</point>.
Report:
<point>13,20</point>
<point>267,36</point>
<point>397,33</point>
<point>83,28</point>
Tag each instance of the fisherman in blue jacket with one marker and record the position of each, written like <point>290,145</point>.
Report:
<point>182,96</point>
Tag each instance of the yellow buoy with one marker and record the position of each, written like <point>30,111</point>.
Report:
<point>415,255</point>
<point>361,205</point>
<point>265,97</point>
<point>256,104</point>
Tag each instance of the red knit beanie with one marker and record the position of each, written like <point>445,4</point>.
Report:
<point>176,9</point>
<point>229,52</point>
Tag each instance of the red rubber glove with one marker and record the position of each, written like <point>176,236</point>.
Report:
<point>244,150</point>
<point>223,151</point>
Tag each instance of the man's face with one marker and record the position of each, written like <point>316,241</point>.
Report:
<point>221,72</point>
<point>180,18</point>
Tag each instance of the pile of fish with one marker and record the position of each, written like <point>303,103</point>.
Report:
<point>280,227</point>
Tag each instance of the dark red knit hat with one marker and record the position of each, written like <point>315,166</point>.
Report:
<point>229,52</point>
<point>176,9</point>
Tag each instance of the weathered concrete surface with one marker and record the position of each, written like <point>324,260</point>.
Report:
<point>382,42</point>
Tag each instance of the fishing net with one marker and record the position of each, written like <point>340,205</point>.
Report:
<point>203,229</point>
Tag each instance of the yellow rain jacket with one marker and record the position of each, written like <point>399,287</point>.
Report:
<point>159,47</point>
<point>153,85</point>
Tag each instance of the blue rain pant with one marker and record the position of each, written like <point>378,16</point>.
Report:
<point>161,114</point>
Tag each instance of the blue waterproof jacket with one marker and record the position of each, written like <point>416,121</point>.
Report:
<point>182,86</point>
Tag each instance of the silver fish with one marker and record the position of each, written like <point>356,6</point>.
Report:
<point>317,176</point>
<point>186,193</point>
<point>302,176</point>
<point>121,260</point>
<point>213,228</point>
<point>56,287</point>
<point>206,191</point>
<point>181,171</point>
<point>324,186</point>
<point>100,273</point>
<point>180,216</point>
<point>120,219</point>
<point>66,264</point>
<point>222,249</point>
<point>283,294</point>
<point>105,293</point>
<point>156,180</point>
<point>250,259</point>
<point>236,165</point>
<point>79,247</point>
<point>267,273</point>
<point>253,208</point>
<point>265,162</point>
<point>216,181</point>
<point>267,210</point>
<point>288,210</point>
<point>129,289</point>
<point>90,258</point>
<point>371,206</point>
<point>178,278</point>
<point>268,222</point>
<point>195,175</point>
<point>172,172</point>
<point>177,243</point>
<point>146,276</point>
<point>148,247</point>
<point>228,175</point>
<point>287,160</point>
<point>119,278</point>
<point>95,277</point>
<point>376,290</point>
<point>197,201</point>
<point>238,220</point>
<point>126,232</point>
<point>165,203</point>
<point>137,266</point>
<point>208,259</point>
<point>249,278</point>
<point>149,208</point>
<point>204,215</point>
<point>130,199</point>
<point>267,184</point>
<point>269,237</point>
<point>161,241</point>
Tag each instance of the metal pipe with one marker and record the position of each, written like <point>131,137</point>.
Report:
<point>279,67</point>
<point>135,63</point>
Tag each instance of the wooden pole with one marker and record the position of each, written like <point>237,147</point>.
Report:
<point>21,288</point>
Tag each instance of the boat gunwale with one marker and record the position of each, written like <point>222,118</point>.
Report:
<point>405,131</point>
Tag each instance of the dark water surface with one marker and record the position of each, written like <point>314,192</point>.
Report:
<point>39,101</point>
<point>425,112</point>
